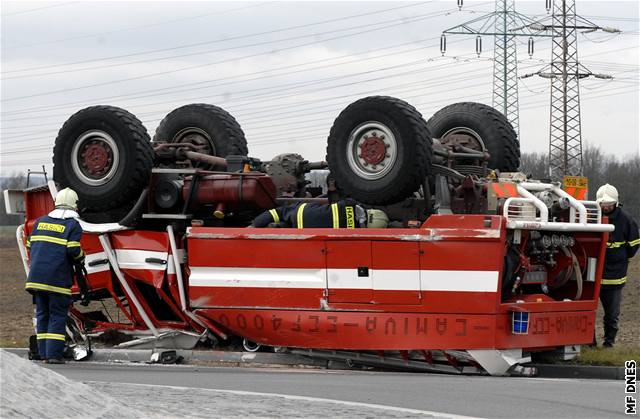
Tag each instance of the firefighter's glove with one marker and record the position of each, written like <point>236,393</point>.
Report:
<point>81,279</point>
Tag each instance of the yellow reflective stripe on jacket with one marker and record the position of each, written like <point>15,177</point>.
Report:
<point>54,336</point>
<point>335,214</point>
<point>300,215</point>
<point>48,239</point>
<point>635,242</point>
<point>73,244</point>
<point>615,245</point>
<point>45,287</point>
<point>274,214</point>
<point>618,281</point>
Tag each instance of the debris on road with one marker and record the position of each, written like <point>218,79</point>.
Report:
<point>29,390</point>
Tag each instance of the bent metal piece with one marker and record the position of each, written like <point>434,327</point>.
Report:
<point>104,241</point>
<point>180,280</point>
<point>22,248</point>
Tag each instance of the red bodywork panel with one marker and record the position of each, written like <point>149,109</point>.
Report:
<point>435,287</point>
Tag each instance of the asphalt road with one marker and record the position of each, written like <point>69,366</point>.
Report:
<point>476,396</point>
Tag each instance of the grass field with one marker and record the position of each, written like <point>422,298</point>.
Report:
<point>16,308</point>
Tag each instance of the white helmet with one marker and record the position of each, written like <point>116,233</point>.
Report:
<point>67,198</point>
<point>607,194</point>
<point>377,219</point>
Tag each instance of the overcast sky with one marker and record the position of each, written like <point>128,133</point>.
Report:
<point>285,70</point>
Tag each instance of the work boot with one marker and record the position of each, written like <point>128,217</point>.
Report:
<point>55,361</point>
<point>607,345</point>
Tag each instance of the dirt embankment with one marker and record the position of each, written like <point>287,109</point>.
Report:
<point>16,308</point>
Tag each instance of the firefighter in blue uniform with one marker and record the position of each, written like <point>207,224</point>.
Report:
<point>623,244</point>
<point>54,246</point>
<point>341,214</point>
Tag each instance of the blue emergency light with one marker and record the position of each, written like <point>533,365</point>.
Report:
<point>520,322</point>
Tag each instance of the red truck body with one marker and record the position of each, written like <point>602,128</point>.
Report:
<point>436,287</point>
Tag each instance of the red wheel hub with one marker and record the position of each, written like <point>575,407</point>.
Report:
<point>373,150</point>
<point>96,158</point>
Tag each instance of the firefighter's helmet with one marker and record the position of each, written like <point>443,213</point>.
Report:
<point>607,194</point>
<point>377,219</point>
<point>67,198</point>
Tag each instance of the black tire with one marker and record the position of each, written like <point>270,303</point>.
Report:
<point>364,177</point>
<point>212,129</point>
<point>105,155</point>
<point>483,126</point>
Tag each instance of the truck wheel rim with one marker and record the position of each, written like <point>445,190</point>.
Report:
<point>372,150</point>
<point>198,138</point>
<point>250,346</point>
<point>95,158</point>
<point>463,136</point>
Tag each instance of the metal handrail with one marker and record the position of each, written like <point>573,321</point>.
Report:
<point>583,215</point>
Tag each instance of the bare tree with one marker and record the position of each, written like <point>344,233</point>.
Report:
<point>600,168</point>
<point>535,164</point>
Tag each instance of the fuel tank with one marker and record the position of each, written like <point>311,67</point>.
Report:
<point>252,190</point>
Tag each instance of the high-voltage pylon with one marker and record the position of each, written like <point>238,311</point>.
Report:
<point>565,71</point>
<point>505,24</point>
<point>505,65</point>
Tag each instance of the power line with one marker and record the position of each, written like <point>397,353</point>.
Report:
<point>289,86</point>
<point>101,99</point>
<point>239,114</point>
<point>537,103</point>
<point>97,34</point>
<point>40,8</point>
<point>407,86</point>
<point>266,96</point>
<point>216,41</point>
<point>31,132</point>
<point>267,74</point>
<point>403,22</point>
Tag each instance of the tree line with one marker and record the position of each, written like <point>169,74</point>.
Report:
<point>598,166</point>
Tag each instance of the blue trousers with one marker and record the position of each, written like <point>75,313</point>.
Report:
<point>611,298</point>
<point>51,322</point>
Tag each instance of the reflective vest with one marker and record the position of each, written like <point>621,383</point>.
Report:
<point>623,244</point>
<point>341,214</point>
<point>54,246</point>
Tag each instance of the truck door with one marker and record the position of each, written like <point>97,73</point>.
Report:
<point>396,272</point>
<point>349,272</point>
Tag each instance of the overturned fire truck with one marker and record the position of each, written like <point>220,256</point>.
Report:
<point>479,268</point>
